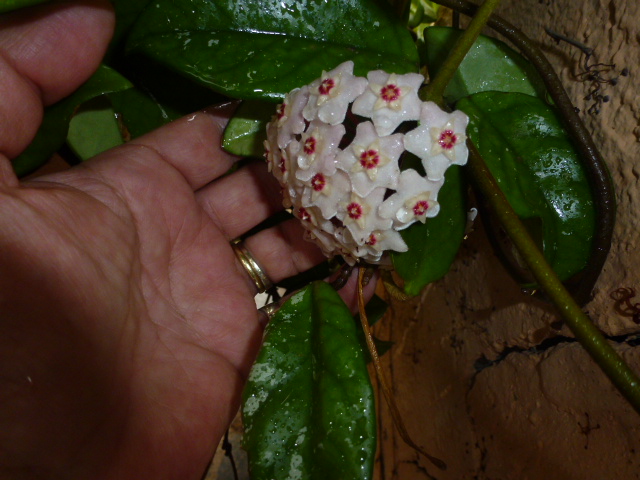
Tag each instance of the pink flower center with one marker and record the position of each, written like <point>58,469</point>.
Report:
<point>447,139</point>
<point>390,93</point>
<point>318,182</point>
<point>369,159</point>
<point>309,145</point>
<point>373,239</point>
<point>326,86</point>
<point>420,208</point>
<point>354,210</point>
<point>303,214</point>
<point>281,110</point>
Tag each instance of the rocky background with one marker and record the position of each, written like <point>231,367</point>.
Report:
<point>487,377</point>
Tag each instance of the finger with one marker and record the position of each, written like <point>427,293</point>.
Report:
<point>282,251</point>
<point>45,54</point>
<point>192,145</point>
<point>240,201</point>
<point>349,292</point>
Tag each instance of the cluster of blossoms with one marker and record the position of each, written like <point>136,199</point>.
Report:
<point>349,191</point>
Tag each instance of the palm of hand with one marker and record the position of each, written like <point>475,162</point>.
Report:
<point>141,261</point>
<point>127,326</point>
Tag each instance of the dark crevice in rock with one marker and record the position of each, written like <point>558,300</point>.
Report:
<point>483,362</point>
<point>631,339</point>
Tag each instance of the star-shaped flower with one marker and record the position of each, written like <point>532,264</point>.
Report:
<point>439,140</point>
<point>289,119</point>
<point>326,192</point>
<point>331,94</point>
<point>370,160</point>
<point>390,100</point>
<point>414,200</point>
<point>360,215</point>
<point>317,149</point>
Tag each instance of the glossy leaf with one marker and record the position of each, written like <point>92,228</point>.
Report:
<point>55,124</point>
<point>246,131</point>
<point>127,12</point>
<point>160,96</point>
<point>537,168</point>
<point>308,407</point>
<point>490,65</point>
<point>9,5</point>
<point>94,129</point>
<point>264,49</point>
<point>433,245</point>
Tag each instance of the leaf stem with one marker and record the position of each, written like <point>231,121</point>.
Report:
<point>583,328</point>
<point>435,90</point>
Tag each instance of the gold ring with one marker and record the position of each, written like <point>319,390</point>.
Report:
<point>252,267</point>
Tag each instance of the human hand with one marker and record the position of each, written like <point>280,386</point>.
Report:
<point>127,326</point>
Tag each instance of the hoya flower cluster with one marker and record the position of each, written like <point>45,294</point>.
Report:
<point>334,146</point>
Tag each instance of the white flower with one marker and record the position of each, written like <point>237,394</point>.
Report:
<point>378,242</point>
<point>317,149</point>
<point>338,192</point>
<point>371,160</point>
<point>390,100</point>
<point>439,140</point>
<point>289,119</point>
<point>360,215</point>
<point>331,94</point>
<point>327,192</point>
<point>415,199</point>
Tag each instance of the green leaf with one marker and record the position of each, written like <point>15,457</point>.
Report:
<point>308,407</point>
<point>246,131</point>
<point>264,49</point>
<point>94,129</point>
<point>537,168</point>
<point>433,245</point>
<point>489,65</point>
<point>160,97</point>
<point>55,124</point>
<point>9,5</point>
<point>127,12</point>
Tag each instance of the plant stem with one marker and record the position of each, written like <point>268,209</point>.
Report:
<point>585,331</point>
<point>382,378</point>
<point>592,340</point>
<point>435,90</point>
<point>582,284</point>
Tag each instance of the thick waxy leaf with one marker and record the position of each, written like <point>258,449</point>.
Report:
<point>94,129</point>
<point>308,407</point>
<point>8,5</point>
<point>246,131</point>
<point>264,49</point>
<point>127,11</point>
<point>55,124</point>
<point>434,244</point>
<point>538,170</point>
<point>160,96</point>
<point>489,65</point>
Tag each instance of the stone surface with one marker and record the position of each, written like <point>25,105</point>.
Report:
<point>487,377</point>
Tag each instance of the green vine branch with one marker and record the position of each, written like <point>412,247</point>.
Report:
<point>620,374</point>
<point>435,90</point>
